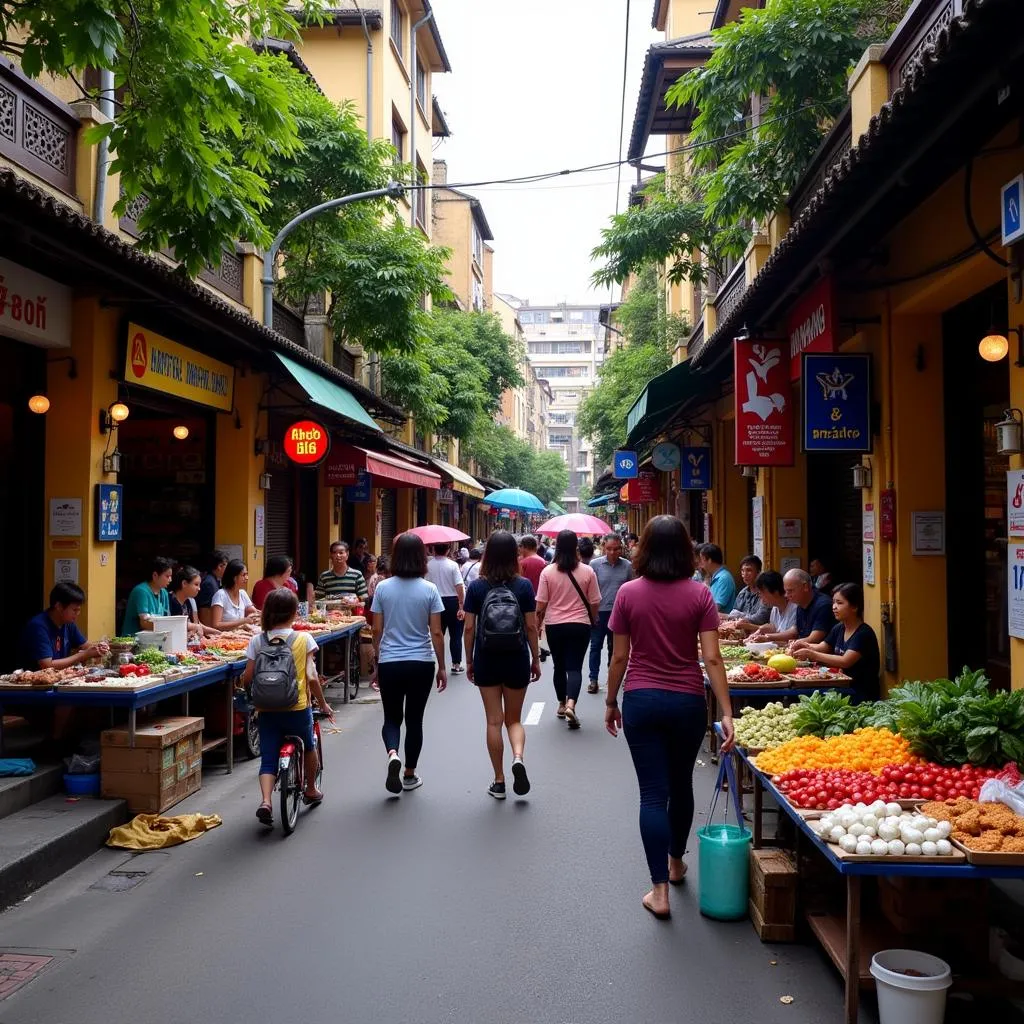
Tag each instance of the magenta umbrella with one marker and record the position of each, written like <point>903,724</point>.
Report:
<point>575,521</point>
<point>438,534</point>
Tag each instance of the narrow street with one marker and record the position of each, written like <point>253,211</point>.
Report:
<point>438,906</point>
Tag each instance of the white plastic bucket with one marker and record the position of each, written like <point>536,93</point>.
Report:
<point>177,626</point>
<point>910,998</point>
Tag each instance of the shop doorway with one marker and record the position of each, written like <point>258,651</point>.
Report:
<point>22,479</point>
<point>169,493</point>
<point>835,518</point>
<point>976,395</point>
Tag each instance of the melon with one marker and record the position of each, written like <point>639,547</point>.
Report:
<point>782,663</point>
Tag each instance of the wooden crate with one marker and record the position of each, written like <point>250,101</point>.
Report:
<point>772,906</point>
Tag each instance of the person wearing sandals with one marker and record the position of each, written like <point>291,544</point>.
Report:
<point>407,637</point>
<point>502,654</point>
<point>280,608</point>
<point>568,599</point>
<point>656,621</point>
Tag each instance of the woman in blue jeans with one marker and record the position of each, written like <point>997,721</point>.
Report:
<point>656,621</point>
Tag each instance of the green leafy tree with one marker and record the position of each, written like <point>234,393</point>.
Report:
<point>482,336</point>
<point>792,59</point>
<point>200,118</point>
<point>375,268</point>
<point>549,477</point>
<point>650,336</point>
<point>500,453</point>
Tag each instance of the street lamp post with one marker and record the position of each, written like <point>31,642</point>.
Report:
<point>393,190</point>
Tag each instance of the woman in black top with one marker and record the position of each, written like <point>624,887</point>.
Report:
<point>185,585</point>
<point>851,646</point>
<point>503,678</point>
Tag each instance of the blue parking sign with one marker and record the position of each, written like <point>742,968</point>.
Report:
<point>1013,219</point>
<point>625,465</point>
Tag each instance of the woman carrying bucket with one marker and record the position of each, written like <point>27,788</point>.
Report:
<point>656,621</point>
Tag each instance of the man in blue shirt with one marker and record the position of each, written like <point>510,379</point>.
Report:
<point>717,577</point>
<point>52,639</point>
<point>814,618</point>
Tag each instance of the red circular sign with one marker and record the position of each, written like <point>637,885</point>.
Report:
<point>140,357</point>
<point>307,442</point>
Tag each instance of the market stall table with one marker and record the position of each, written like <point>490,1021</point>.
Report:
<point>349,633</point>
<point>842,940</point>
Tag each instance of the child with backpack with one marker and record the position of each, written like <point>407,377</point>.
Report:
<point>281,673</point>
<point>503,655</point>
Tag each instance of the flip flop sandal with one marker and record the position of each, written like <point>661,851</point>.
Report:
<point>265,815</point>
<point>312,801</point>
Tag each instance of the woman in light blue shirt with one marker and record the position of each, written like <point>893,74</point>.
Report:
<point>407,638</point>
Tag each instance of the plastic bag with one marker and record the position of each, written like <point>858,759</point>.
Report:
<point>997,791</point>
<point>78,764</point>
<point>13,766</point>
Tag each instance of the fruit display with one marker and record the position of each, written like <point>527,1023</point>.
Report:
<point>752,672</point>
<point>734,652</point>
<point>782,663</point>
<point>765,728</point>
<point>980,828</point>
<point>809,675</point>
<point>868,750</point>
<point>825,789</point>
<point>883,829</point>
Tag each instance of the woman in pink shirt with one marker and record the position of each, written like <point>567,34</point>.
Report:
<point>568,598</point>
<point>656,621</point>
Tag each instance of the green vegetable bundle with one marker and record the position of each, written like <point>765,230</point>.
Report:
<point>828,713</point>
<point>151,656</point>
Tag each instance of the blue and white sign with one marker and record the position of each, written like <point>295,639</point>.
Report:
<point>109,523</point>
<point>360,492</point>
<point>625,465</point>
<point>1010,202</point>
<point>695,469</point>
<point>837,402</point>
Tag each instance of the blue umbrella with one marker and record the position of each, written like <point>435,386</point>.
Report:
<point>515,499</point>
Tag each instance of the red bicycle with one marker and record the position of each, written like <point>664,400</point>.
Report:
<point>291,773</point>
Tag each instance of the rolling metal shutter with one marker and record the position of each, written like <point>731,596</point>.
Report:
<point>388,519</point>
<point>280,512</point>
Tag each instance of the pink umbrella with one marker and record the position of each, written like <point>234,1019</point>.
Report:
<point>438,534</point>
<point>575,521</point>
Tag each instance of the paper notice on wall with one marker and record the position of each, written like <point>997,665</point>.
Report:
<point>65,570</point>
<point>1015,589</point>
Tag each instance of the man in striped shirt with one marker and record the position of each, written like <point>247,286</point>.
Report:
<point>340,580</point>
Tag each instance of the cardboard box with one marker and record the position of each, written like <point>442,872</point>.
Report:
<point>160,733</point>
<point>772,903</point>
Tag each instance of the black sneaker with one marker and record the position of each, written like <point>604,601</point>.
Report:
<point>520,780</point>
<point>497,790</point>
<point>544,654</point>
<point>393,783</point>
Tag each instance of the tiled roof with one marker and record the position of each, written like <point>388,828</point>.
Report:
<point>893,134</point>
<point>695,45</point>
<point>157,277</point>
<point>271,45</point>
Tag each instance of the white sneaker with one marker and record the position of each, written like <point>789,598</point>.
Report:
<point>393,784</point>
<point>411,782</point>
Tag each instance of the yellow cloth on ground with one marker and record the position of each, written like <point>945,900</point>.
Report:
<point>153,832</point>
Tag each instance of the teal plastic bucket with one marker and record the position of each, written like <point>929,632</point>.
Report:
<point>723,859</point>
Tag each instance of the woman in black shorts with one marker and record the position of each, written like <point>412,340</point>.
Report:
<point>502,678</point>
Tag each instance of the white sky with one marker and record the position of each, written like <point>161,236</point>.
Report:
<point>536,86</point>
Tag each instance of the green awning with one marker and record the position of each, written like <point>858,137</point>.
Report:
<point>327,394</point>
<point>555,509</point>
<point>658,401</point>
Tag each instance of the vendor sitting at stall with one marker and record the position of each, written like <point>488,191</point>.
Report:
<point>719,580</point>
<point>851,646</point>
<point>814,617</point>
<point>52,639</point>
<point>781,625</point>
<point>749,612</point>
<point>185,585</point>
<point>341,580</point>
<point>232,606</point>
<point>149,599</point>
<point>276,573</point>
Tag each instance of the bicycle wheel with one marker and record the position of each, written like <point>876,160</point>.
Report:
<point>354,668</point>
<point>319,753</point>
<point>288,783</point>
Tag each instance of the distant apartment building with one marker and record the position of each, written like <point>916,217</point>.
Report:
<point>524,410</point>
<point>565,345</point>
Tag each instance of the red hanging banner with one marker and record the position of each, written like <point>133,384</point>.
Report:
<point>811,325</point>
<point>765,434</point>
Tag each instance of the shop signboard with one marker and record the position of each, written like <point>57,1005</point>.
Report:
<point>33,308</point>
<point>810,325</point>
<point>307,442</point>
<point>837,403</point>
<point>109,504</point>
<point>445,496</point>
<point>625,465</point>
<point>65,517</point>
<point>1015,588</point>
<point>1015,502</point>
<point>695,469</point>
<point>361,491</point>
<point>887,515</point>
<point>157,363</point>
<point>666,457</point>
<point>1012,204</point>
<point>643,490</point>
<point>764,405</point>
<point>341,470</point>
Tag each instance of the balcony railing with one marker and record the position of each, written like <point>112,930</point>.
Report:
<point>37,131</point>
<point>832,149</point>
<point>695,343</point>
<point>919,29</point>
<point>730,292</point>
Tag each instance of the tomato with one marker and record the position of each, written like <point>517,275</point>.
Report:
<point>833,804</point>
<point>857,798</point>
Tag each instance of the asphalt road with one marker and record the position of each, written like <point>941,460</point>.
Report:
<point>439,906</point>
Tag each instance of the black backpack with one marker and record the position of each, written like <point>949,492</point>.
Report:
<point>275,683</point>
<point>502,626</point>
